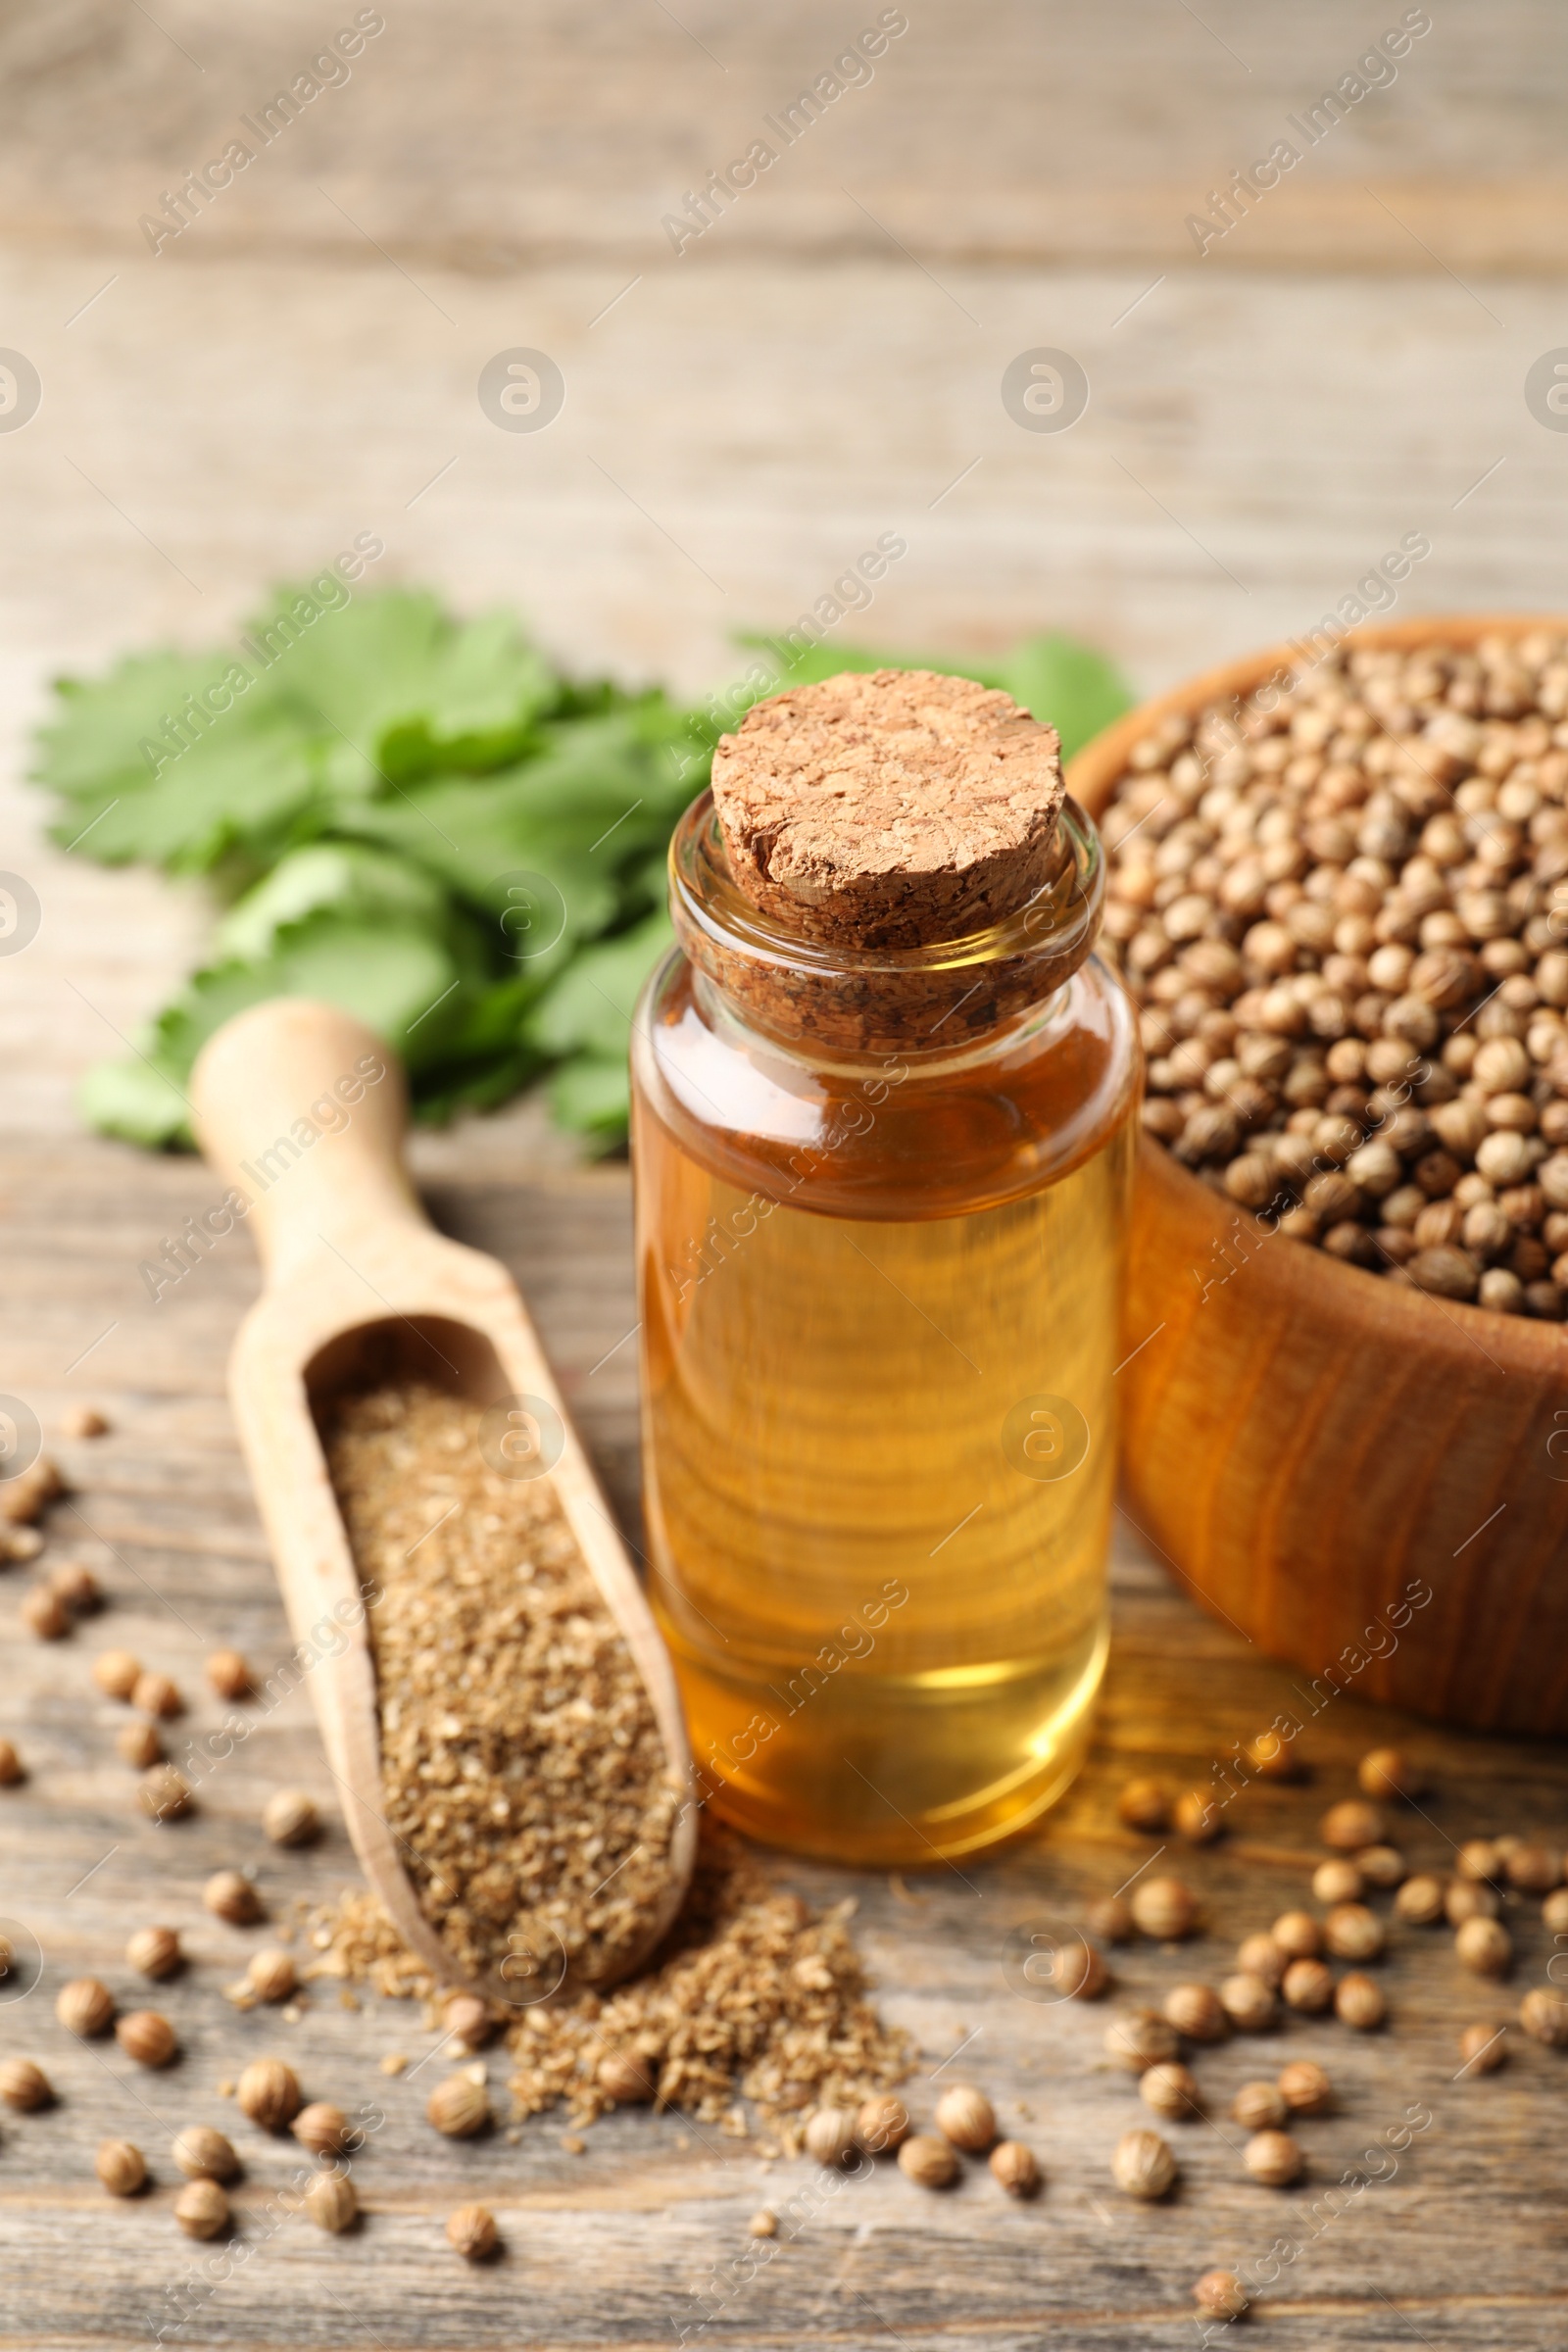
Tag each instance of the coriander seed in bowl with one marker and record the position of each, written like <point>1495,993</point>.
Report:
<point>1338,895</point>
<point>1343,915</point>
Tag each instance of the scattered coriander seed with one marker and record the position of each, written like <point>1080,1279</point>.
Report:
<point>1304,2086</point>
<point>201,2209</point>
<point>228,1674</point>
<point>120,2167</point>
<point>1358,2002</point>
<point>471,2230</point>
<point>1352,1823</point>
<point>289,1818</point>
<point>1544,2016</point>
<point>147,2037</point>
<point>1554,1911</point>
<point>1260,1956</point>
<point>321,2127</point>
<point>1221,2295</point>
<point>1144,2166</point>
<point>1164,1909</point>
<point>1140,2037</point>
<point>1308,1986</point>
<point>229,1894</point>
<point>24,2085</point>
<point>137,1743</point>
<point>1080,1970</point>
<point>1485,1946</point>
<point>1479,1858</point>
<point>1534,1869</point>
<point>458,2107</point>
<point>25,1496</point>
<point>626,2079</point>
<point>271,1975</point>
<point>163,1793</point>
<point>1388,1772</point>
<point>20,1542</point>
<point>967,2116</point>
<point>1273,2157</point>
<point>1196,2012</point>
<point>1482,2049</point>
<point>1172,2091</point>
<point>762,2223</point>
<point>1382,1866</point>
<point>1145,1806</point>
<point>1275,1758</point>
<point>1505,1849</point>
<point>1248,2002</point>
<point>86,2007</point>
<point>154,1952</point>
<point>1353,1933</point>
<point>1014,2166</point>
<point>829,2135</point>
<point>82,1421</point>
<point>393,2062</point>
<point>12,1769</point>
<point>1112,1919</point>
<point>1338,1882</point>
<point>76,1587</point>
<point>467,2017</point>
<point>881,2122</point>
<point>1420,1902</point>
<point>1197,1817</point>
<point>204,2154</point>
<point>1298,1935</point>
<point>1259,2107</point>
<point>1468,1898</point>
<point>156,1694</point>
<point>269,2093</point>
<point>332,2202</point>
<point>45,1614</point>
<point>929,2162</point>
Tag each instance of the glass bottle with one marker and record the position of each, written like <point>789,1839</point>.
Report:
<point>881,1204</point>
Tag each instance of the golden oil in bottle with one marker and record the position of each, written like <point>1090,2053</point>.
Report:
<point>879,1291</point>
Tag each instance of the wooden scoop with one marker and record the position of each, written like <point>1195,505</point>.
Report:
<point>302,1111</point>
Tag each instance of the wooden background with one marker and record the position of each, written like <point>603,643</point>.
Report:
<point>823,366</point>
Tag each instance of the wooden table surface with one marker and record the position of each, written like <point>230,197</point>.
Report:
<point>1459,2242</point>
<point>823,364</point>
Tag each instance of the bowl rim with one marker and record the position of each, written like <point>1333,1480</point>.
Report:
<point>1337,1291</point>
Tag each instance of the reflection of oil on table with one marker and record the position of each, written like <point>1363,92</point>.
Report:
<point>614,2247</point>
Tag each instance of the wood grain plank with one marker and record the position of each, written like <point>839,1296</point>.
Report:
<point>485,137</point>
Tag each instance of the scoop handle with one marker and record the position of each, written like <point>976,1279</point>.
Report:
<point>301,1109</point>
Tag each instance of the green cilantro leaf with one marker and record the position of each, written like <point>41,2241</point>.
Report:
<point>589,1010</point>
<point>416,817</point>
<point>1063,684</point>
<point>362,883</point>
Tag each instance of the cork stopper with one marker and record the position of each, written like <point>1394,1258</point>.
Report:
<point>895,809</point>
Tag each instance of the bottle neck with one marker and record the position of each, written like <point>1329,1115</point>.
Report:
<point>939,999</point>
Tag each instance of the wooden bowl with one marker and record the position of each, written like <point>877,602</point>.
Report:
<point>1366,1482</point>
